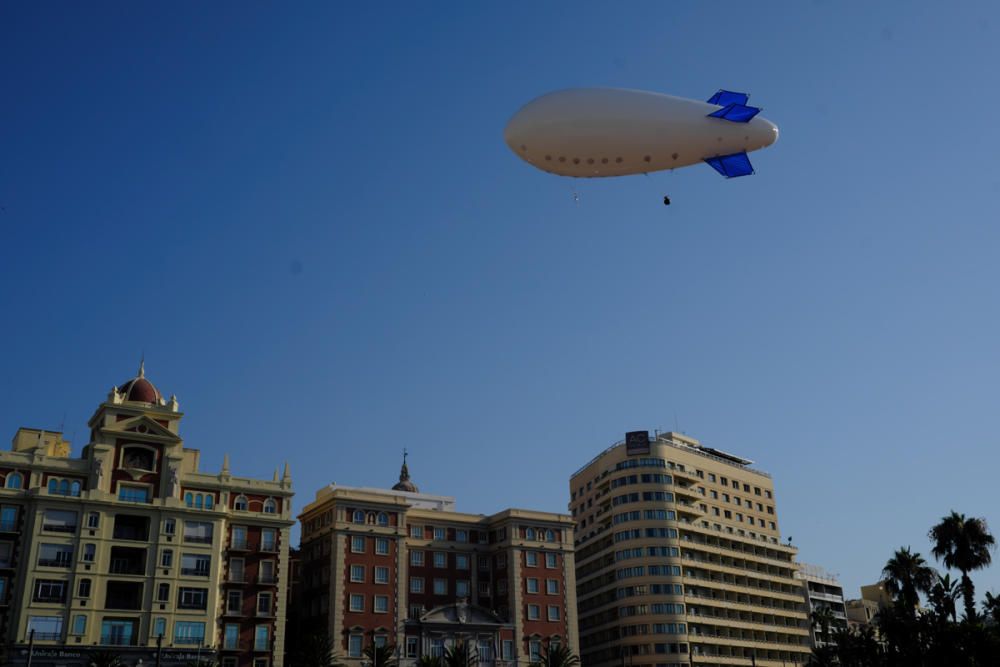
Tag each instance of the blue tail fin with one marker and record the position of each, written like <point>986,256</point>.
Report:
<point>736,113</point>
<point>727,97</point>
<point>730,166</point>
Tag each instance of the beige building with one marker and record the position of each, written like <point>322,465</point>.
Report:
<point>822,590</point>
<point>130,548</point>
<point>406,568</point>
<point>679,559</point>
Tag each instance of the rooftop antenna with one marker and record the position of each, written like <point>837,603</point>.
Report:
<point>677,424</point>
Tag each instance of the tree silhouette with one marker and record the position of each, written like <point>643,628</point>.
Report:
<point>964,545</point>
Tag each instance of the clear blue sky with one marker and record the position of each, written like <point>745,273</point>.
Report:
<point>305,215</point>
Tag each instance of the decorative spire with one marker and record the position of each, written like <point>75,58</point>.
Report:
<point>404,483</point>
<point>287,474</point>
<point>142,366</point>
<point>275,478</point>
<point>225,464</point>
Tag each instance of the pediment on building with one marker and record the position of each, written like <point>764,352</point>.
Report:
<point>140,427</point>
<point>461,613</point>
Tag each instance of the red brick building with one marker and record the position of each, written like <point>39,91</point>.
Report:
<point>403,567</point>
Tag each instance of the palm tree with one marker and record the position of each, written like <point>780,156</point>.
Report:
<point>316,650</point>
<point>823,618</point>
<point>964,545</point>
<point>381,656</point>
<point>460,655</point>
<point>427,660</point>
<point>943,596</point>
<point>906,575</point>
<point>105,659</point>
<point>557,656</point>
<point>991,606</point>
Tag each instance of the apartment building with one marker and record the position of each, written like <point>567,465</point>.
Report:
<point>822,590</point>
<point>131,549</point>
<point>396,566</point>
<point>679,559</point>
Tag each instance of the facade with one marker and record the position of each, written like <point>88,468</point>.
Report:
<point>130,546</point>
<point>862,612</point>
<point>404,568</point>
<point>679,560</point>
<point>822,591</point>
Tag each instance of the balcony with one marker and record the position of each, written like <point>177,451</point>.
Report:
<point>52,562</point>
<point>61,598</point>
<point>48,636</point>
<point>127,560</point>
<point>118,639</point>
<point>270,547</point>
<point>189,641</point>
<point>239,545</point>
<point>129,527</point>
<point>198,539</point>
<point>236,578</point>
<point>124,595</point>
<point>229,645</point>
<point>58,528</point>
<point>194,572</point>
<point>267,580</point>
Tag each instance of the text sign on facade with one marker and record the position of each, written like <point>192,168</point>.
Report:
<point>637,442</point>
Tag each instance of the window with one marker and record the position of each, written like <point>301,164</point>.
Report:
<point>238,537</point>
<point>461,536</point>
<point>192,598</point>
<point>59,521</point>
<point>439,533</point>
<point>507,649</point>
<point>551,560</point>
<point>357,602</point>
<point>417,532</point>
<point>167,558</point>
<point>462,561</point>
<point>767,494</point>
<point>484,588</point>
<point>263,604</point>
<point>381,604</point>
<point>14,482</point>
<point>358,544</point>
<point>270,507</point>
<point>188,632</point>
<point>440,587</point>
<point>381,575</point>
<point>383,519</point>
<point>554,612</point>
<point>50,590</point>
<point>529,533</point>
<point>412,647</point>
<point>440,559</point>
<point>160,627</point>
<point>416,558</point>
<point>502,587</point>
<point>535,650</point>
<point>133,494</point>
<point>381,546</point>
<point>551,536</point>
<point>354,646</point>
<point>163,593</point>
<point>534,612</point>
<point>231,636</point>
<point>169,526</point>
<point>8,518</point>
<point>196,565</point>
<point>501,561</point>
<point>416,611</point>
<point>198,532</point>
<point>261,638</point>
<point>93,519</point>
<point>240,504</point>
<point>552,586</point>
<point>268,539</point>
<point>462,589</point>
<point>234,602</point>
<point>209,501</point>
<point>55,555</point>
<point>531,558</point>
<point>358,573</point>
<point>83,588</point>
<point>416,584</point>
<point>45,627</point>
<point>532,585</point>
<point>358,516</point>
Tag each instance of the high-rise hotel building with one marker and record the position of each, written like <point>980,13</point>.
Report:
<point>396,566</point>
<point>679,560</point>
<point>131,549</point>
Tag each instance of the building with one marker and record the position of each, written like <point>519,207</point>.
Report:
<point>862,612</point>
<point>405,568</point>
<point>130,548</point>
<point>822,591</point>
<point>679,559</point>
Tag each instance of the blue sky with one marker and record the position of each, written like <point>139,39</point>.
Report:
<point>307,219</point>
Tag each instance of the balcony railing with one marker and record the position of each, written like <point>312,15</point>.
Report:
<point>233,645</point>
<point>189,641</point>
<point>267,579</point>
<point>239,545</point>
<point>48,636</point>
<point>117,640</point>
<point>58,528</point>
<point>269,547</point>
<point>194,572</point>
<point>198,539</point>
<point>54,562</point>
<point>126,568</point>
<point>49,598</point>
<point>236,579</point>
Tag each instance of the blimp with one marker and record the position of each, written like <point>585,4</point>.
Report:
<point>604,132</point>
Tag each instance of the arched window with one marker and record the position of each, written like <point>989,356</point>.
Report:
<point>74,489</point>
<point>53,486</point>
<point>197,502</point>
<point>241,504</point>
<point>14,480</point>
<point>359,516</point>
<point>383,519</point>
<point>529,534</point>
<point>64,488</point>
<point>189,499</point>
<point>209,501</point>
<point>270,507</point>
<point>550,536</point>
